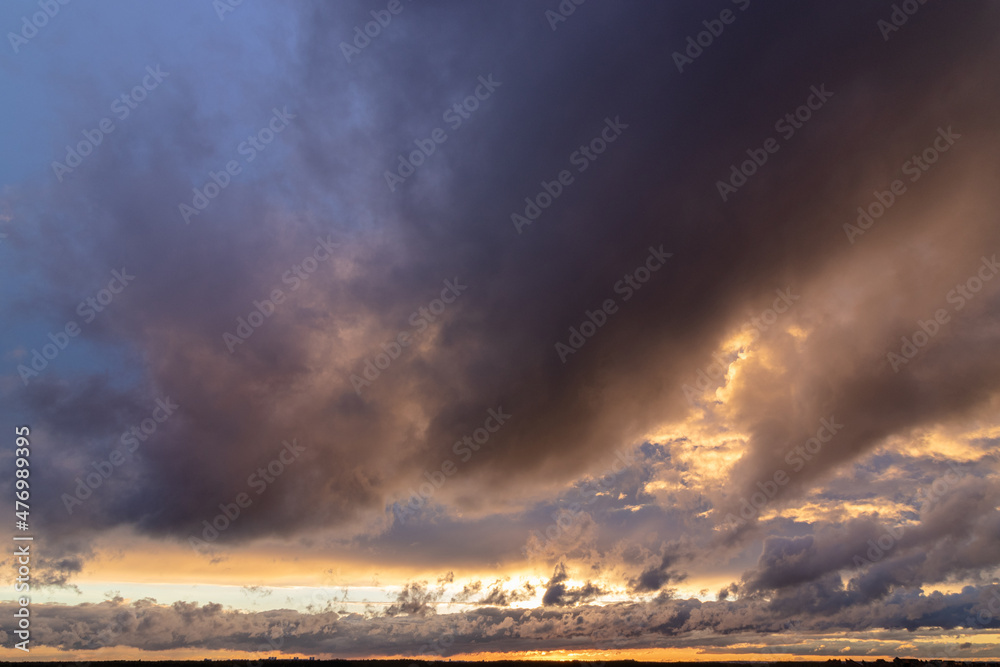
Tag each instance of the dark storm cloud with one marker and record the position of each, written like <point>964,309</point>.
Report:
<point>950,538</point>
<point>657,576</point>
<point>558,593</point>
<point>607,70</point>
<point>416,599</point>
<point>498,596</point>
<point>566,262</point>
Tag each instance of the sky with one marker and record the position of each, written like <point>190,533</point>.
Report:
<point>653,330</point>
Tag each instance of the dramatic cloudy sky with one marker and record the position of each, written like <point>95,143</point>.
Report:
<point>635,329</point>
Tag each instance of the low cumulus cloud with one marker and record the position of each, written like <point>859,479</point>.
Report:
<point>150,626</point>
